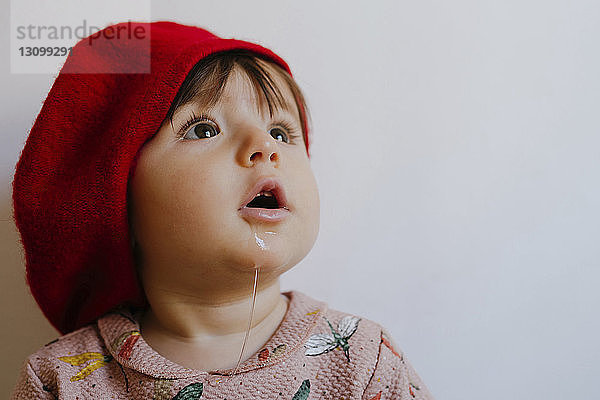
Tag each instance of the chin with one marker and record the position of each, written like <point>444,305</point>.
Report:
<point>274,260</point>
<point>267,263</point>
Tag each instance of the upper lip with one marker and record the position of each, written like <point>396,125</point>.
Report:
<point>267,184</point>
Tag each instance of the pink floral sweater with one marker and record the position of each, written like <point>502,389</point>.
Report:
<point>316,353</point>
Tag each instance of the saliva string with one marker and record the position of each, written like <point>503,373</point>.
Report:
<point>249,323</point>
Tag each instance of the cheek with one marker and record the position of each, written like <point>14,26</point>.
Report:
<point>175,203</point>
<point>315,212</point>
<point>309,208</point>
<point>197,202</point>
<point>311,191</point>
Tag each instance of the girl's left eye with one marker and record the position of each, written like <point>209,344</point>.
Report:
<point>286,131</point>
<point>277,133</point>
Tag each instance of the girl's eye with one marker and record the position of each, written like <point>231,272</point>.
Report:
<point>278,133</point>
<point>203,127</point>
<point>200,130</point>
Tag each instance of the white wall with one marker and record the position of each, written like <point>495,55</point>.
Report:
<point>457,152</point>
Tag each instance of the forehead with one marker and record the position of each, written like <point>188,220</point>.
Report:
<point>241,87</point>
<point>262,88</point>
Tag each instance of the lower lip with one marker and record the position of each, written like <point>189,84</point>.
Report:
<point>265,214</point>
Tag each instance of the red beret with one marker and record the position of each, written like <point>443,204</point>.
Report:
<point>70,183</point>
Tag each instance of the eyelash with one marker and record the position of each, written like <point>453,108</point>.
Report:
<point>193,119</point>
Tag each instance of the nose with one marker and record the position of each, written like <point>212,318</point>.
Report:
<point>259,147</point>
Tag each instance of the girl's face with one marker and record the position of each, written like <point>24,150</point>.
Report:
<point>187,193</point>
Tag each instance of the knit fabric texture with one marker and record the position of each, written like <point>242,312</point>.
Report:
<point>316,353</point>
<point>70,183</point>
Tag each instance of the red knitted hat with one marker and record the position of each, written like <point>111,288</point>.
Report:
<point>70,184</point>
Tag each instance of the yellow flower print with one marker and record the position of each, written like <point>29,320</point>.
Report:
<point>98,360</point>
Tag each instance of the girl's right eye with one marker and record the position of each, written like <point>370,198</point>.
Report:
<point>201,127</point>
<point>202,130</point>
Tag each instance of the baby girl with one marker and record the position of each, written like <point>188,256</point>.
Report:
<point>157,212</point>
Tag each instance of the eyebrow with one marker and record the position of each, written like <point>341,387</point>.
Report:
<point>279,106</point>
<point>268,95</point>
<point>285,108</point>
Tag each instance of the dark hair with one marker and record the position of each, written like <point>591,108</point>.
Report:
<point>207,79</point>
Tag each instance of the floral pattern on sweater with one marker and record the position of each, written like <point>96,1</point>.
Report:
<point>97,360</point>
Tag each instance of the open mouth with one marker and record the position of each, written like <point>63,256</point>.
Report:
<point>266,201</point>
<point>267,193</point>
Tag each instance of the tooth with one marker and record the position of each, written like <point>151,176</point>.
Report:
<point>267,194</point>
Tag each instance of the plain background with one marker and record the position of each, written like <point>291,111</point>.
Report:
<point>457,152</point>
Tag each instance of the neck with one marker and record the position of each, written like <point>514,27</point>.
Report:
<point>203,333</point>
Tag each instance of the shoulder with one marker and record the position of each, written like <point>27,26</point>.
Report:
<point>85,339</point>
<point>47,367</point>
<point>347,324</point>
<point>367,352</point>
<point>361,332</point>
<point>361,335</point>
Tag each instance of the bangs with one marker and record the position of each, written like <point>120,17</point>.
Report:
<point>207,79</point>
